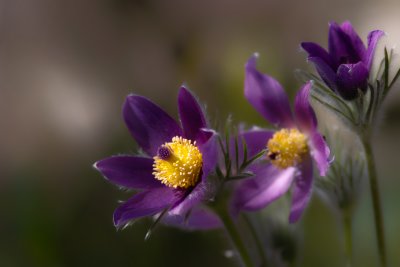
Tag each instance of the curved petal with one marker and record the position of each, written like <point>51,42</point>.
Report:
<point>192,116</point>
<point>201,192</point>
<point>373,38</point>
<point>325,71</point>
<point>267,96</point>
<point>302,190</point>
<point>350,78</point>
<point>305,114</point>
<point>148,123</point>
<point>199,218</point>
<point>267,185</point>
<point>320,152</point>
<point>340,46</point>
<point>145,203</point>
<point>128,171</point>
<point>356,41</point>
<point>314,50</point>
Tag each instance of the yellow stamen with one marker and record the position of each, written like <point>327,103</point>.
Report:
<point>287,148</point>
<point>181,168</point>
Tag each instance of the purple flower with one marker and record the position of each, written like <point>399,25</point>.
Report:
<point>346,65</point>
<point>173,176</point>
<point>291,150</point>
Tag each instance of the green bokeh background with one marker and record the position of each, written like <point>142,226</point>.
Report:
<point>65,69</point>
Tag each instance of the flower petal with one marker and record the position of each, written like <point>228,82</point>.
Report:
<point>314,50</point>
<point>199,218</point>
<point>320,152</point>
<point>148,123</point>
<point>256,140</point>
<point>373,38</point>
<point>356,41</point>
<point>305,114</point>
<point>350,78</point>
<point>128,171</point>
<point>267,96</point>
<point>145,204</point>
<point>340,46</point>
<point>325,71</point>
<point>268,184</point>
<point>209,151</point>
<point>302,191</point>
<point>192,116</point>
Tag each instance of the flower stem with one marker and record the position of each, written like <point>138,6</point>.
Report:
<point>373,182</point>
<point>233,233</point>
<point>260,247</point>
<point>348,236</point>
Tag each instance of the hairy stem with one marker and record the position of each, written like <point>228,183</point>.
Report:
<point>260,247</point>
<point>376,201</point>
<point>348,236</point>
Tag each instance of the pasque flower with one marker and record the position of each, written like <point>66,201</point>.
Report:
<point>173,175</point>
<point>291,150</point>
<point>346,65</point>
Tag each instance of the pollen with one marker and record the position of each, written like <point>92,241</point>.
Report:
<point>178,163</point>
<point>287,148</point>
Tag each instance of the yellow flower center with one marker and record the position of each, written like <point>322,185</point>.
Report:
<point>287,148</point>
<point>178,163</point>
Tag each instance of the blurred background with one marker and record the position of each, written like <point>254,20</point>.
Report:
<point>65,69</point>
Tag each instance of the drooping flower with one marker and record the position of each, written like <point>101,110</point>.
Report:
<point>292,149</point>
<point>346,65</point>
<point>173,177</point>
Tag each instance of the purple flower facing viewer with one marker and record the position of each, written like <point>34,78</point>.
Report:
<point>173,177</point>
<point>291,150</point>
<point>346,65</point>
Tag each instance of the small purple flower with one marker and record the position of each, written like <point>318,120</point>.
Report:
<point>291,150</point>
<point>173,176</point>
<point>346,65</point>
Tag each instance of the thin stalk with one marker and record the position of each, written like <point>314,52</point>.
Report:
<point>348,236</point>
<point>260,247</point>
<point>234,235</point>
<point>376,201</point>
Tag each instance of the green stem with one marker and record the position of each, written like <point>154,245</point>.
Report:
<point>373,182</point>
<point>233,233</point>
<point>348,236</point>
<point>260,247</point>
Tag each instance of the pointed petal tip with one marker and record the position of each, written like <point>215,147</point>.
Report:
<point>252,61</point>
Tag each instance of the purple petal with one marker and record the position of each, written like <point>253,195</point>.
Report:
<point>373,38</point>
<point>302,190</point>
<point>200,218</point>
<point>314,50</point>
<point>209,151</point>
<point>128,171</point>
<point>192,116</point>
<point>305,114</point>
<point>148,123</point>
<point>203,191</point>
<point>268,184</point>
<point>340,46</point>
<point>320,152</point>
<point>256,140</point>
<point>267,96</point>
<point>145,203</point>
<point>350,78</point>
<point>356,41</point>
<point>325,71</point>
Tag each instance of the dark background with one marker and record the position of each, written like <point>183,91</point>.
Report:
<point>65,69</point>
